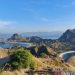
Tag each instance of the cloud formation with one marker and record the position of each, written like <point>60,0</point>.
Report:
<point>4,24</point>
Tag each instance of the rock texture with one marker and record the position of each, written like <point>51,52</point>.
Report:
<point>68,36</point>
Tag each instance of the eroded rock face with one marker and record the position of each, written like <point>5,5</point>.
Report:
<point>38,50</point>
<point>68,36</point>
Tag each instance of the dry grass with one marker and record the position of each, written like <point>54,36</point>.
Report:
<point>7,73</point>
<point>40,63</point>
<point>72,61</point>
<point>54,63</point>
<point>3,53</point>
<point>16,72</point>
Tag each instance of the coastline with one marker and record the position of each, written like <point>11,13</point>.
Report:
<point>14,44</point>
<point>67,55</point>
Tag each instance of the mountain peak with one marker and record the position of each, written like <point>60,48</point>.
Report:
<point>16,37</point>
<point>68,36</point>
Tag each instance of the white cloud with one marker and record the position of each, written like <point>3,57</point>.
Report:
<point>8,26</point>
<point>4,24</point>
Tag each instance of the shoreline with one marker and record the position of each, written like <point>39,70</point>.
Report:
<point>67,55</point>
<point>14,44</point>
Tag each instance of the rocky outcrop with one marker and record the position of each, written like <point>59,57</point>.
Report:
<point>38,50</point>
<point>16,37</point>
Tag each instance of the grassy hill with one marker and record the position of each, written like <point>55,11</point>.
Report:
<point>41,63</point>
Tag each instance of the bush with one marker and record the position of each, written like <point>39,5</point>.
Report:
<point>21,59</point>
<point>32,65</point>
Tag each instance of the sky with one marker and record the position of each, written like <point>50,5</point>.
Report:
<point>36,15</point>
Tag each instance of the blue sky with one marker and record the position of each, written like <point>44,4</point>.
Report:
<point>36,15</point>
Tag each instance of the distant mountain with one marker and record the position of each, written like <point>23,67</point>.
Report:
<point>44,35</point>
<point>35,39</point>
<point>68,36</point>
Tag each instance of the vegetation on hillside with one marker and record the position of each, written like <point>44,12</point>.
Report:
<point>21,59</point>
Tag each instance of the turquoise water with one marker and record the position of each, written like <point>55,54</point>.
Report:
<point>8,45</point>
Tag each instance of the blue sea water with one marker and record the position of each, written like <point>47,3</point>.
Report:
<point>10,45</point>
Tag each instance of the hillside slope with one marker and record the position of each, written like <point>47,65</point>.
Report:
<point>68,36</point>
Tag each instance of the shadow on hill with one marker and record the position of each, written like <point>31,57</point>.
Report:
<point>4,60</point>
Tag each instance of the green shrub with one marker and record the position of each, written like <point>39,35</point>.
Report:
<point>21,59</point>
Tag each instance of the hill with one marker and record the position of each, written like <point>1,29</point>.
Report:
<point>44,35</point>
<point>68,36</point>
<point>16,37</point>
<point>44,62</point>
